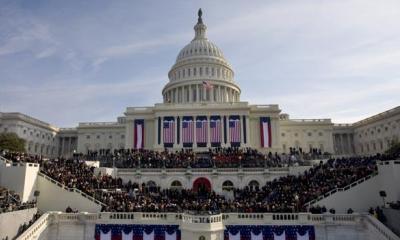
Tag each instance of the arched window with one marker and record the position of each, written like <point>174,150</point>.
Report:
<point>253,183</point>
<point>227,185</point>
<point>151,184</point>
<point>176,184</point>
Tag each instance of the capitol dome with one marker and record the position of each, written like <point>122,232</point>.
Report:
<point>201,73</point>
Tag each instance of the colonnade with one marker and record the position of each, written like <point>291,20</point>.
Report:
<point>199,93</point>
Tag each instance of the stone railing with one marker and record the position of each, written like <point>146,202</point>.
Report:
<point>189,218</point>
<point>333,191</point>
<point>85,195</point>
<point>34,231</point>
<point>190,221</point>
<point>381,229</point>
<point>5,161</point>
<point>201,170</point>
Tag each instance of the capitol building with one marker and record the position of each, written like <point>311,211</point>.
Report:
<point>202,109</point>
<point>321,196</point>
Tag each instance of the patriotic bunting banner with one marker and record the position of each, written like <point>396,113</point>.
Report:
<point>201,131</point>
<point>265,132</point>
<point>215,131</point>
<point>187,131</point>
<point>260,232</point>
<point>234,130</point>
<point>139,134</point>
<point>137,232</point>
<point>169,131</point>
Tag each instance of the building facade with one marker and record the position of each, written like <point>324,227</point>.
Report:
<point>202,108</point>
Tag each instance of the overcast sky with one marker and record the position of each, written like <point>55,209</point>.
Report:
<point>66,62</point>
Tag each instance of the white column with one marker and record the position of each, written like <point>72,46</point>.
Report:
<point>62,146</point>
<point>190,93</point>
<point>212,95</point>
<point>247,131</point>
<point>197,93</point>
<point>241,131</point>
<point>69,146</point>
<point>182,95</point>
<point>155,132</point>
<point>219,94</point>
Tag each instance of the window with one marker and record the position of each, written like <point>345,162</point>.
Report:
<point>253,183</point>
<point>320,134</point>
<point>283,134</point>
<point>110,137</point>
<point>98,136</point>
<point>122,136</point>
<point>296,134</point>
<point>176,184</point>
<point>227,185</point>
<point>87,136</point>
<point>24,131</point>
<point>309,134</point>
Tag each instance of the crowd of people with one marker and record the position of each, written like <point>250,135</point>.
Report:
<point>285,194</point>
<point>10,201</point>
<point>216,157</point>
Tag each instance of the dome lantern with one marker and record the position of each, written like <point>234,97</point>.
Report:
<point>200,28</point>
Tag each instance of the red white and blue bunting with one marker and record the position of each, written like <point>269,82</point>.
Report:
<point>266,232</point>
<point>137,232</point>
<point>265,132</point>
<point>139,134</point>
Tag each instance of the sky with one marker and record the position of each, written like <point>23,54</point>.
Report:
<point>73,61</point>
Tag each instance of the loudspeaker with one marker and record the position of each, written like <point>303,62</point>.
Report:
<point>382,193</point>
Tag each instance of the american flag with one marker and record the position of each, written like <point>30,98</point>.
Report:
<point>187,131</point>
<point>201,130</point>
<point>215,130</point>
<point>169,131</point>
<point>207,85</point>
<point>234,129</point>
